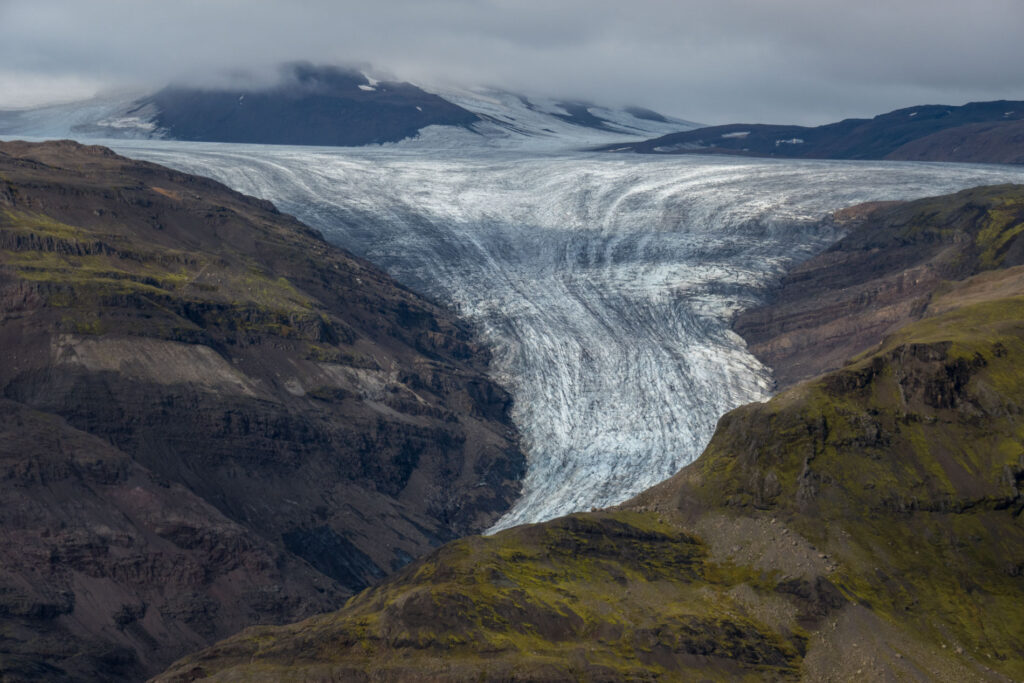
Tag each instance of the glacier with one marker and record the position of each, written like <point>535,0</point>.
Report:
<point>604,284</point>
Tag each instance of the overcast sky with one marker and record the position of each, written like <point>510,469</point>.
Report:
<point>714,61</point>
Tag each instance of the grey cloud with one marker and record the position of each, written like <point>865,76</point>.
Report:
<point>781,60</point>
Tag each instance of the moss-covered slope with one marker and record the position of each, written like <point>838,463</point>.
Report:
<point>277,424</point>
<point>864,525</point>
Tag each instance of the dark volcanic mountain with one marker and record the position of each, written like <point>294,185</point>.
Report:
<point>211,418</point>
<point>332,106</point>
<point>862,525</point>
<point>311,106</point>
<point>977,132</point>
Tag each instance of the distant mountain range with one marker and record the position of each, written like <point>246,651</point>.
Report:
<point>980,132</point>
<point>863,525</point>
<point>330,106</point>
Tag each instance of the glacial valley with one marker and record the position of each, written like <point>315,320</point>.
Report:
<point>604,284</point>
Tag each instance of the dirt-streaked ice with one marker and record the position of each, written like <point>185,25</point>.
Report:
<point>604,283</point>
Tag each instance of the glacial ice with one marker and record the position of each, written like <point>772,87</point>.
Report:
<point>603,283</point>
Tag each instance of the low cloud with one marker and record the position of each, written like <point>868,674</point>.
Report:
<point>714,61</point>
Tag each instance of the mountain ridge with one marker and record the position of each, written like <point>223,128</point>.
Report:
<point>977,132</point>
<point>212,417</point>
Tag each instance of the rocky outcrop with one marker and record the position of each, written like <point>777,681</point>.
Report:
<point>862,525</point>
<point>213,418</point>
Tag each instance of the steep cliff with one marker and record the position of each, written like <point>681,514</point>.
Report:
<point>212,418</point>
<point>863,525</point>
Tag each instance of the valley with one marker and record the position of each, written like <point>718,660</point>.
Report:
<point>338,427</point>
<point>604,285</point>
<point>511,342</point>
<point>864,524</point>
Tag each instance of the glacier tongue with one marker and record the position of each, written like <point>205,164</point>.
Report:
<point>603,283</point>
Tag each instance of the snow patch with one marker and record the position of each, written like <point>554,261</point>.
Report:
<point>126,123</point>
<point>791,141</point>
<point>737,134</point>
<point>367,88</point>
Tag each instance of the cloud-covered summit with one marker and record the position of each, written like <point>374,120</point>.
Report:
<point>799,61</point>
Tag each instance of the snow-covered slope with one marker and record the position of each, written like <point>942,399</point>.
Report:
<point>516,121</point>
<point>111,116</point>
<point>604,283</point>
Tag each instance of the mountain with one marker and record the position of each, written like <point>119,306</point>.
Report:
<point>981,132</point>
<point>311,106</point>
<point>212,418</point>
<point>861,525</point>
<point>331,106</point>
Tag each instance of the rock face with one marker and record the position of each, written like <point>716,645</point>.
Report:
<point>882,275</point>
<point>327,105</point>
<point>863,525</point>
<point>211,418</point>
<point>985,132</point>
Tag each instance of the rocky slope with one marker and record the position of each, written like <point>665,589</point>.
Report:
<point>884,273</point>
<point>211,417</point>
<point>863,525</point>
<point>983,132</point>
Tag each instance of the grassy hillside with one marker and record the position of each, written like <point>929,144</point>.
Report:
<point>863,525</point>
